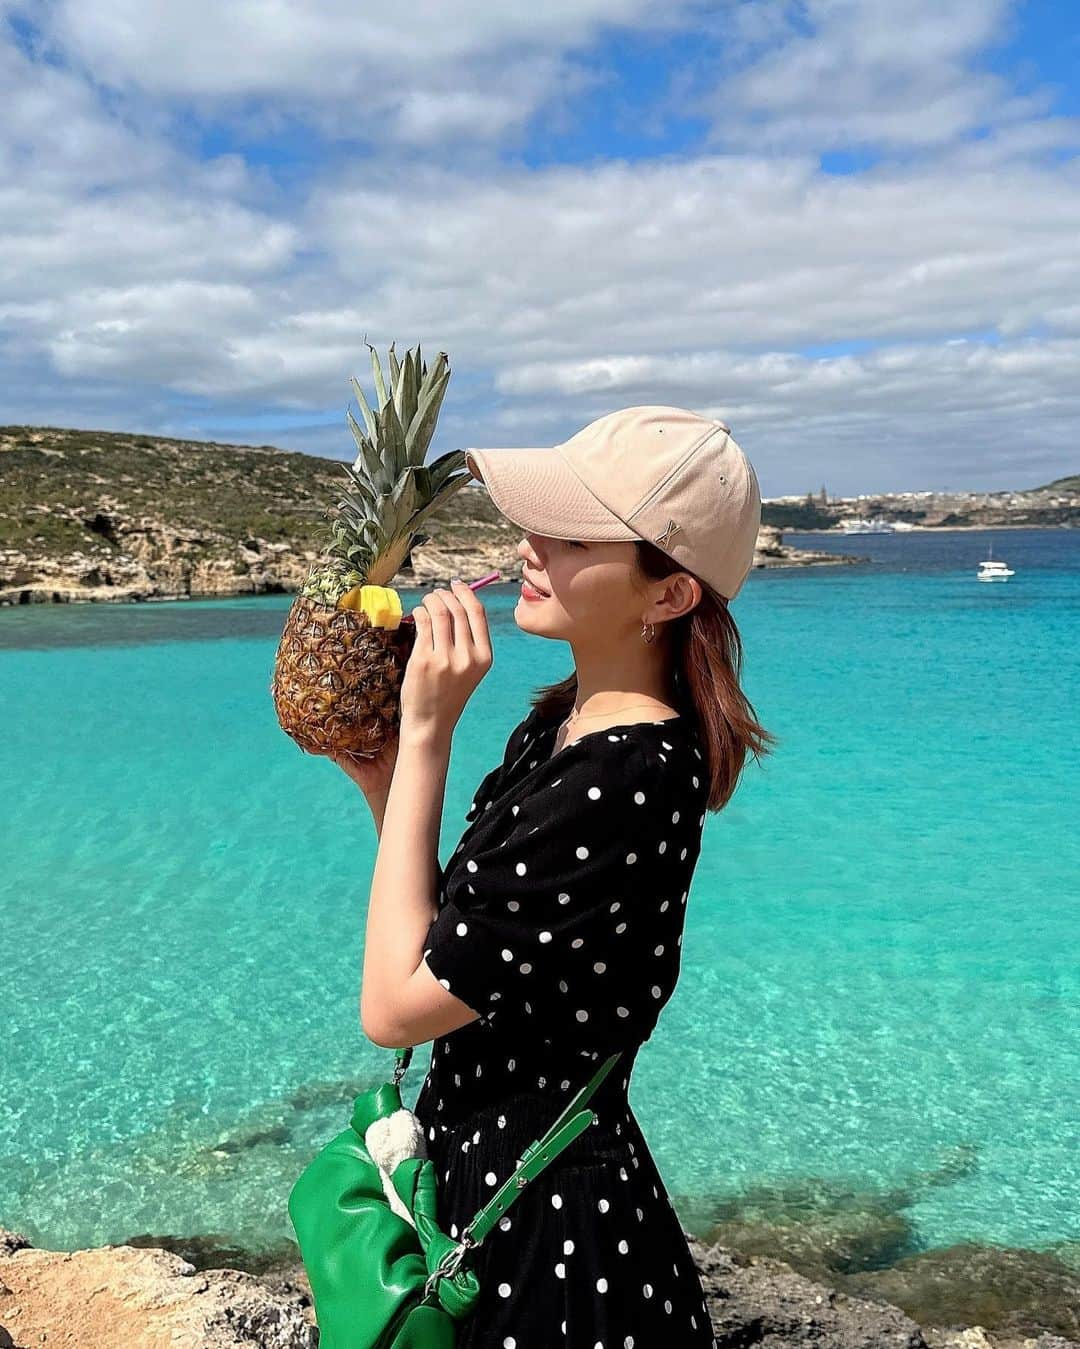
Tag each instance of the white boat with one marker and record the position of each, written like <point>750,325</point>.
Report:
<point>991,570</point>
<point>876,524</point>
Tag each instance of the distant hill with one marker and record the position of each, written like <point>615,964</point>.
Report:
<point>54,481</point>
<point>154,515</point>
<point>1070,484</point>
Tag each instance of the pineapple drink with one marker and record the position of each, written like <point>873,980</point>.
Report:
<point>341,658</point>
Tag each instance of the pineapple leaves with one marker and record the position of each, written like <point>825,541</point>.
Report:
<point>369,416</point>
<point>441,495</point>
<point>416,395</point>
<point>423,424</point>
<point>441,468</point>
<point>407,496</point>
<point>390,489</point>
<point>406,391</point>
<point>376,370</point>
<point>357,433</point>
<point>364,490</point>
<point>392,440</point>
<point>368,458</point>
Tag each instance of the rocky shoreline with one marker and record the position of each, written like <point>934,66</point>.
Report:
<point>150,1297</point>
<point>930,529</point>
<point>105,516</point>
<point>151,561</point>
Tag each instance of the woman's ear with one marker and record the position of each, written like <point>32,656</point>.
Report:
<point>682,594</point>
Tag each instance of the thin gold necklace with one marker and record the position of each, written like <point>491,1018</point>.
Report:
<point>573,718</point>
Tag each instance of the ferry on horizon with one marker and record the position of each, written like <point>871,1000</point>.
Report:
<point>876,524</point>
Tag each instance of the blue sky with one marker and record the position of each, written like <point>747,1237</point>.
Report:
<point>845,226</point>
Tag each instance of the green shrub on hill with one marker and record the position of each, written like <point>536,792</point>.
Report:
<point>55,481</point>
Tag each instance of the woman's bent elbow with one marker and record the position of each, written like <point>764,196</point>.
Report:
<point>378,1034</point>
<point>376,1027</point>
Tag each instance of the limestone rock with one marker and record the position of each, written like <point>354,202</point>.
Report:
<point>769,541</point>
<point>124,1297</point>
<point>1007,1289</point>
<point>770,550</point>
<point>144,1297</point>
<point>436,564</point>
<point>151,560</point>
<point>148,559</point>
<point>756,1300</point>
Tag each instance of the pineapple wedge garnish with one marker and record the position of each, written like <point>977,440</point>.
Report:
<point>381,604</point>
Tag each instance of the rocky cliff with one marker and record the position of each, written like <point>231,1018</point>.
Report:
<point>87,515</point>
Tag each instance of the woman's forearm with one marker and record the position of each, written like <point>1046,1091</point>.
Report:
<point>402,904</point>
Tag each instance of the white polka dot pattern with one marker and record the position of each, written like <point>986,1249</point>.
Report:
<point>569,917</point>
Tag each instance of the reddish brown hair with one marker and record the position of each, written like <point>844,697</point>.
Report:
<point>707,655</point>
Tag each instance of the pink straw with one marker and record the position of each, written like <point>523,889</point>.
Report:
<point>473,585</point>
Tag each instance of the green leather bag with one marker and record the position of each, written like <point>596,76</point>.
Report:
<point>383,1274</point>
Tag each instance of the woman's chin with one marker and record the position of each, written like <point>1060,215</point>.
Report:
<point>528,619</point>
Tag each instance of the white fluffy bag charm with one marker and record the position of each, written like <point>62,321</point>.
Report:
<point>392,1139</point>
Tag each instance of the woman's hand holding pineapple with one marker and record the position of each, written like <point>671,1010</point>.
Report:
<point>450,656</point>
<point>372,776</point>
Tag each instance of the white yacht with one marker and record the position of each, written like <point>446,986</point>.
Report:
<point>876,524</point>
<point>991,570</point>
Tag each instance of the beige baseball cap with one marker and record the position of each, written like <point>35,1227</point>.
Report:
<point>663,474</point>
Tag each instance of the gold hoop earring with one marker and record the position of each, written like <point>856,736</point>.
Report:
<point>651,634</point>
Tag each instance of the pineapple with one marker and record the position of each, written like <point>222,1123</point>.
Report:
<point>343,650</point>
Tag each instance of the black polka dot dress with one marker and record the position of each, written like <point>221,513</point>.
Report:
<point>560,923</point>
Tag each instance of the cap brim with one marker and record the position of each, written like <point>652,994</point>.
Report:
<point>540,492</point>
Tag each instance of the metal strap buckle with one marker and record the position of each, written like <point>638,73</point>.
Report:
<point>449,1264</point>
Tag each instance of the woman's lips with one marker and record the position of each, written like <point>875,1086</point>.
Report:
<point>530,592</point>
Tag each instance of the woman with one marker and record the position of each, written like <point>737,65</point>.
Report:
<point>553,936</point>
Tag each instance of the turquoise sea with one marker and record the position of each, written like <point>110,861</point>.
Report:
<point>880,996</point>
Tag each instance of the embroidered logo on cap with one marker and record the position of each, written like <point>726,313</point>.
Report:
<point>664,539</point>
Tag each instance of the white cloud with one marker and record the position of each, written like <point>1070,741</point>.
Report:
<point>854,73</point>
<point>321,48</point>
<point>432,72</point>
<point>150,332</point>
<point>719,250</point>
<point>131,273</point>
<point>899,417</point>
<point>55,129</point>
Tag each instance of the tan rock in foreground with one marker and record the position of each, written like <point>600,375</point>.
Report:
<point>126,1297</point>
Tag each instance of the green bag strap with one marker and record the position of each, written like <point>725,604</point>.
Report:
<point>539,1154</point>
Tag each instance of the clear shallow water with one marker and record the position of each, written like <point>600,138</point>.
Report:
<point>880,987</point>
